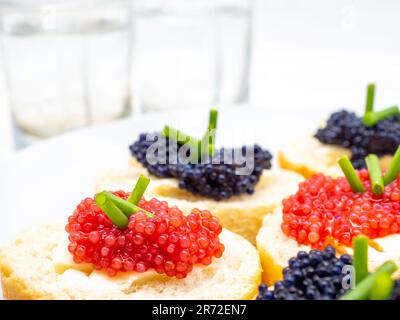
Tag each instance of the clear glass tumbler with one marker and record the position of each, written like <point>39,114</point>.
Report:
<point>67,62</point>
<point>191,53</point>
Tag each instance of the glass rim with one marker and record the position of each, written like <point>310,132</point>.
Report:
<point>53,5</point>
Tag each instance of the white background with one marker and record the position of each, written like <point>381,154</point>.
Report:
<point>321,52</point>
<point>311,54</point>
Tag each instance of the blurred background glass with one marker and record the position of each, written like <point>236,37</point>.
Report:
<point>67,63</point>
<point>304,56</point>
<point>191,53</point>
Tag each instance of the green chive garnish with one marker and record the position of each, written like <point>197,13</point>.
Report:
<point>111,210</point>
<point>212,122</point>
<point>351,175</point>
<point>375,174</point>
<point>180,137</point>
<point>394,168</point>
<point>372,118</point>
<point>360,257</point>
<point>125,206</point>
<point>369,104</point>
<point>139,189</point>
<point>363,289</point>
<point>184,139</point>
<point>382,288</point>
<point>205,146</point>
<point>208,141</point>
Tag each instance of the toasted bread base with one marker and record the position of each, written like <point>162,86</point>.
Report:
<point>28,272</point>
<point>308,156</point>
<point>275,249</point>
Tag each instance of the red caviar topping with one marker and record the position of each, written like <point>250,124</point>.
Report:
<point>168,242</point>
<point>325,208</point>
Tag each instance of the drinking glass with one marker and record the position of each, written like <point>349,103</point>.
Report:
<point>191,53</point>
<point>67,62</point>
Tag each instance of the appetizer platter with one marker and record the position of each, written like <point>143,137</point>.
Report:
<point>344,132</point>
<point>328,214</point>
<point>131,249</point>
<point>160,208</point>
<point>216,179</point>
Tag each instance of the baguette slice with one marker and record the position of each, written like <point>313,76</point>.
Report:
<point>242,214</point>
<point>31,268</point>
<point>275,249</point>
<point>308,156</point>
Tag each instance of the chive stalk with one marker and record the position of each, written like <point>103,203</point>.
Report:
<point>212,122</point>
<point>382,288</point>
<point>180,137</point>
<point>372,118</point>
<point>139,189</point>
<point>125,206</point>
<point>208,141</point>
<point>363,289</point>
<point>375,174</point>
<point>394,168</point>
<point>369,104</point>
<point>360,257</point>
<point>111,210</point>
<point>351,175</point>
<point>197,147</point>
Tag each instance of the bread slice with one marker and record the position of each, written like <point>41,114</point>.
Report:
<point>308,156</point>
<point>242,214</point>
<point>31,268</point>
<point>275,249</point>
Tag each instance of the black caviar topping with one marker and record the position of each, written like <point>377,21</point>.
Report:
<point>316,275</point>
<point>223,180</point>
<point>347,130</point>
<point>218,177</point>
<point>151,160</point>
<point>396,291</point>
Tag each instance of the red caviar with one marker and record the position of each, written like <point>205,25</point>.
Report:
<point>168,242</point>
<point>325,207</point>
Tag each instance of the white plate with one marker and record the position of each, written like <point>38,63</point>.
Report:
<point>45,182</point>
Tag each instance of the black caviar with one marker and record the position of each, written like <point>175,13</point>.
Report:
<point>317,275</point>
<point>347,130</point>
<point>229,172</point>
<point>157,161</point>
<point>225,175</point>
<point>396,291</point>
